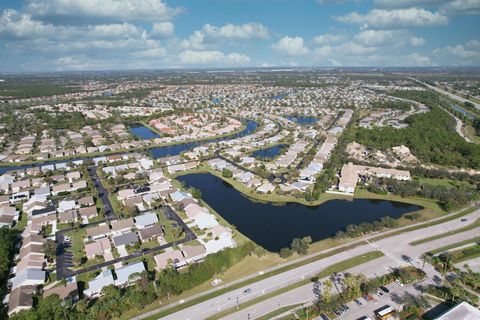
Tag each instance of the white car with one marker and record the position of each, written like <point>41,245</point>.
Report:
<point>399,282</point>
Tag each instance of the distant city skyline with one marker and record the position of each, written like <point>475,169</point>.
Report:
<point>80,35</point>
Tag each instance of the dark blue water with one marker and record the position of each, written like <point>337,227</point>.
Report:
<point>302,120</point>
<point>143,132</point>
<point>250,127</point>
<point>279,96</point>
<point>176,149</point>
<point>273,227</point>
<point>270,153</point>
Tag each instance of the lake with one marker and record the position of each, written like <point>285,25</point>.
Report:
<point>176,149</point>
<point>273,226</point>
<point>302,120</point>
<point>270,152</point>
<point>144,133</point>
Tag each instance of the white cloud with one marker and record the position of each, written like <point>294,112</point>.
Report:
<point>461,7</point>
<point>407,3</point>
<point>329,38</point>
<point>380,37</point>
<point>19,25</point>
<point>417,60</point>
<point>151,53</point>
<point>467,54</point>
<point>399,18</point>
<point>117,10</point>
<point>291,46</point>
<point>396,38</point>
<point>417,42</point>
<point>162,29</point>
<point>355,49</point>
<point>195,41</point>
<point>190,57</point>
<point>243,32</point>
<point>323,52</point>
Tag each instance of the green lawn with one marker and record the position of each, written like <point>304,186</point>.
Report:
<point>449,183</point>
<point>278,312</point>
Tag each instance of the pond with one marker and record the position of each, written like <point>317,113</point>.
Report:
<point>176,149</point>
<point>273,226</point>
<point>144,133</point>
<point>270,152</point>
<point>302,120</point>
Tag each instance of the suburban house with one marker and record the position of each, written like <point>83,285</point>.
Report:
<point>129,274</point>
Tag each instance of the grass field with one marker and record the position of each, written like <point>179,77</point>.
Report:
<point>278,312</point>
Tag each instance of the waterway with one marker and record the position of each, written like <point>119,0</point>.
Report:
<point>269,153</point>
<point>302,120</point>
<point>176,149</point>
<point>144,133</point>
<point>158,152</point>
<point>273,226</point>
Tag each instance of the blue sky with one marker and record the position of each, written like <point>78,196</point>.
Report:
<point>60,35</point>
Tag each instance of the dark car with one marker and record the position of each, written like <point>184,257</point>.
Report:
<point>358,302</point>
<point>464,220</point>
<point>384,289</point>
<point>324,316</point>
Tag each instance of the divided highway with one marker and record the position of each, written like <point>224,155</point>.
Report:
<point>395,248</point>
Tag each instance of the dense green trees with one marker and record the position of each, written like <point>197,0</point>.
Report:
<point>353,231</point>
<point>431,136</point>
<point>8,239</point>
<point>226,173</point>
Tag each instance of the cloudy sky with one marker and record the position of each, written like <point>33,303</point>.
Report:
<point>57,35</point>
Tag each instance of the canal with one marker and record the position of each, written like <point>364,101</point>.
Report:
<point>302,120</point>
<point>143,132</point>
<point>273,226</point>
<point>158,152</point>
<point>269,153</point>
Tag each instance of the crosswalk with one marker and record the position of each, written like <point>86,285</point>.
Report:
<point>397,260</point>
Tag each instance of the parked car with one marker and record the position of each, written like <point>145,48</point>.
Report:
<point>368,297</point>
<point>358,302</point>
<point>379,293</point>
<point>397,281</point>
<point>384,289</point>
<point>324,316</point>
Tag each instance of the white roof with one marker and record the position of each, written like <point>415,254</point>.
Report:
<point>205,220</point>
<point>146,219</point>
<point>66,205</point>
<point>29,276</point>
<point>463,311</point>
<point>101,281</point>
<point>123,274</point>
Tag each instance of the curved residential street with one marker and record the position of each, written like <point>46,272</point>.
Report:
<point>395,248</point>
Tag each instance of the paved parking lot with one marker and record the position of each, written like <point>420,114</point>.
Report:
<point>367,308</point>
